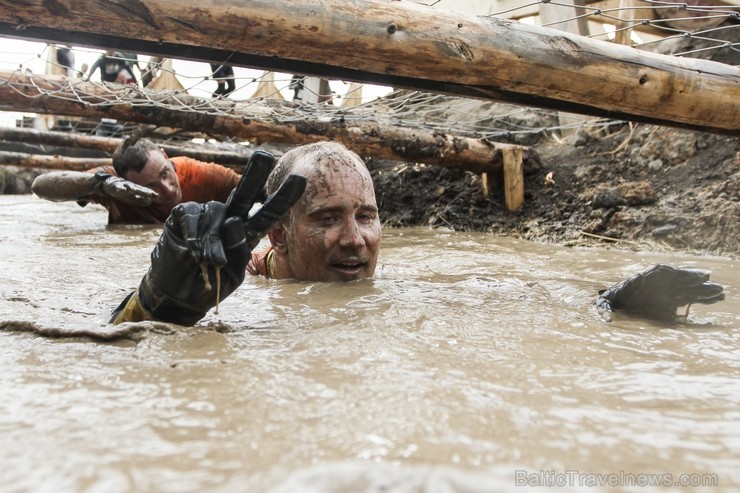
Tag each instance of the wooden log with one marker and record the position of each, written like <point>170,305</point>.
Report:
<point>24,160</point>
<point>407,45</point>
<point>30,93</point>
<point>513,178</point>
<point>61,139</point>
<point>109,145</point>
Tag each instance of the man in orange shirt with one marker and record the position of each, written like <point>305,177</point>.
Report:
<point>142,186</point>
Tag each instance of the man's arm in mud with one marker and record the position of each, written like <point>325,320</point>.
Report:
<point>59,186</point>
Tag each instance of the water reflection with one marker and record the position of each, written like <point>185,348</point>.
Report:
<point>469,357</point>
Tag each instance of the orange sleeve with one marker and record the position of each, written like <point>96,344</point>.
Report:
<point>201,182</point>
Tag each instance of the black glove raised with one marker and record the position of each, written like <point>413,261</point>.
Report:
<point>204,249</point>
<point>123,190</point>
<point>659,291</point>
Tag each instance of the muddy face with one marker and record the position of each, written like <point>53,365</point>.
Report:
<point>334,233</point>
<point>159,175</point>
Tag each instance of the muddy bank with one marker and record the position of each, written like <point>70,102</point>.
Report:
<point>638,187</point>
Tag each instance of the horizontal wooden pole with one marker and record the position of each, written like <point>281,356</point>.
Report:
<point>109,145</point>
<point>54,95</point>
<point>25,160</point>
<point>403,44</point>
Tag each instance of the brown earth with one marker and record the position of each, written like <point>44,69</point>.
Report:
<point>638,187</point>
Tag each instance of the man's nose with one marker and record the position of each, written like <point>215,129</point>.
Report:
<point>351,236</point>
<point>167,188</point>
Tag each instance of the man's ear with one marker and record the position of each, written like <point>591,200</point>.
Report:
<point>277,239</point>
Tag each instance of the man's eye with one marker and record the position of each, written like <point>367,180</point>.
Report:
<point>328,219</point>
<point>366,217</point>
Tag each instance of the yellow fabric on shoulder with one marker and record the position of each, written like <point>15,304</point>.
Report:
<point>132,312</point>
<point>270,264</point>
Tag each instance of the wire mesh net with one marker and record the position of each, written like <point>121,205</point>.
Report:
<point>701,28</point>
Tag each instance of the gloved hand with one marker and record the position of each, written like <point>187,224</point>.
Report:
<point>123,190</point>
<point>204,249</point>
<point>659,291</point>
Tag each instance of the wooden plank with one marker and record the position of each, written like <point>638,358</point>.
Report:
<point>513,178</point>
<point>403,44</point>
<point>58,162</point>
<point>109,145</point>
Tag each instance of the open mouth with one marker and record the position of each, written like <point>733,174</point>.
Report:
<point>349,267</point>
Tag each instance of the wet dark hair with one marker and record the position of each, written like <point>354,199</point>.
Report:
<point>318,151</point>
<point>133,154</point>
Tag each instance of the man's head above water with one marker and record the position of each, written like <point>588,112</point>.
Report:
<point>144,163</point>
<point>333,232</point>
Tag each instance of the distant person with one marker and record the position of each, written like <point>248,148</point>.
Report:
<point>152,70</point>
<point>66,58</point>
<point>142,186</point>
<point>322,222</point>
<point>297,85</point>
<point>114,67</point>
<point>224,77</point>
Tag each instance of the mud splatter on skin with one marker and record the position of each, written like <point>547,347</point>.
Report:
<point>333,233</point>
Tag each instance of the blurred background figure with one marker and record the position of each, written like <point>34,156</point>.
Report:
<point>66,60</point>
<point>296,84</point>
<point>224,76</point>
<point>114,67</point>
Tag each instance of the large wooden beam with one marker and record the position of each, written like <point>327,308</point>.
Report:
<point>25,160</point>
<point>109,145</point>
<point>248,120</point>
<point>403,44</point>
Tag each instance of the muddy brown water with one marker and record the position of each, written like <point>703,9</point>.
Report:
<point>472,363</point>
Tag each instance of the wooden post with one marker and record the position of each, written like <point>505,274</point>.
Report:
<point>513,178</point>
<point>404,45</point>
<point>627,14</point>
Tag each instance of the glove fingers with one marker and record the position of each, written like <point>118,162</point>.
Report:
<point>185,221</point>
<point>235,242</point>
<point>210,232</point>
<point>703,293</point>
<point>275,206</point>
<point>690,277</point>
<point>250,185</point>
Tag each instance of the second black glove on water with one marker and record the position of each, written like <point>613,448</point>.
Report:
<point>181,284</point>
<point>658,292</point>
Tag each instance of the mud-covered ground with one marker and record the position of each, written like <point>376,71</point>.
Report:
<point>638,187</point>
